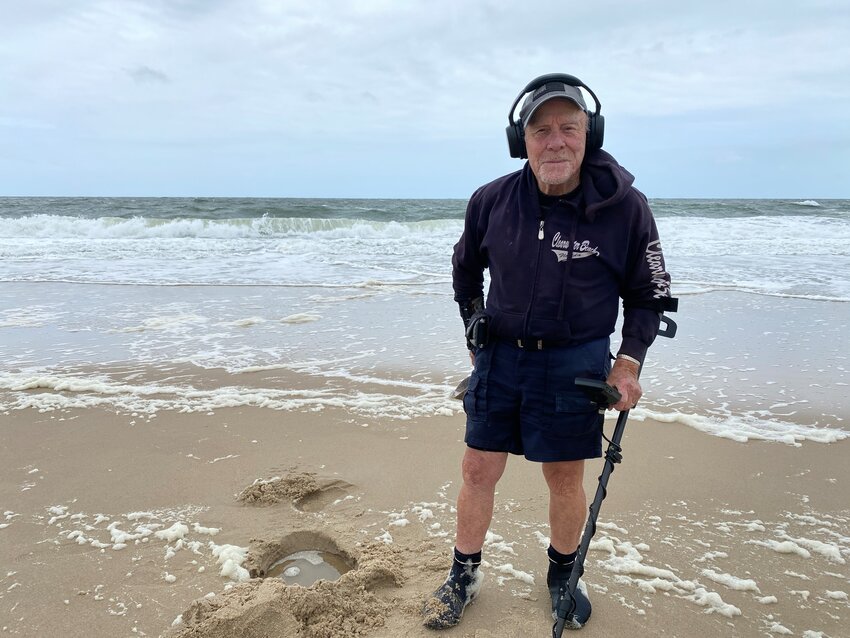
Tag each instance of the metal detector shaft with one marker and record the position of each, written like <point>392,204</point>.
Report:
<point>612,456</point>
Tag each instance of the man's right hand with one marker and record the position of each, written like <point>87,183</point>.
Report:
<point>624,377</point>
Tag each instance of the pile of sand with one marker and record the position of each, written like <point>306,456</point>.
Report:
<point>293,487</point>
<point>270,608</point>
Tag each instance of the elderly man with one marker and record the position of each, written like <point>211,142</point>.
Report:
<point>564,238</point>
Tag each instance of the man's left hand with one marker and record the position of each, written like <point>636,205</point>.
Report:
<point>624,377</point>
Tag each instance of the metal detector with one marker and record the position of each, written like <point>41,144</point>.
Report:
<point>605,396</point>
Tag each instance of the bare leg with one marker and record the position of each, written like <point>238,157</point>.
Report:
<point>481,472</point>
<point>567,503</point>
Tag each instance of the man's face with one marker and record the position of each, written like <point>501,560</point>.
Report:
<point>555,141</point>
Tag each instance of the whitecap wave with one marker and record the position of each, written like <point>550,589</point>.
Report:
<point>48,392</point>
<point>745,427</point>
<point>115,228</point>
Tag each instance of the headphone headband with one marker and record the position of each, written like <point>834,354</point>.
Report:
<point>596,122</point>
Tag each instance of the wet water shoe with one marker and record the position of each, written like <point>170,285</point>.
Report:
<point>444,608</point>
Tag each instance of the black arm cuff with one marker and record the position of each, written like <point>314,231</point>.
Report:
<point>662,304</point>
<point>470,307</point>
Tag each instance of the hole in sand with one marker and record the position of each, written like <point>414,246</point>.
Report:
<point>301,558</point>
<point>306,567</point>
<point>317,501</point>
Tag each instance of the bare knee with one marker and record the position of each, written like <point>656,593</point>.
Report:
<point>565,478</point>
<point>482,470</point>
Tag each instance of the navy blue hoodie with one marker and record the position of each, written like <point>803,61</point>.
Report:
<point>560,275</point>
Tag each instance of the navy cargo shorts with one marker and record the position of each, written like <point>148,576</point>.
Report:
<point>526,401</point>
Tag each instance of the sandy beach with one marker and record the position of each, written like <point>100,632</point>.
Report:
<point>199,399</point>
<point>118,525</point>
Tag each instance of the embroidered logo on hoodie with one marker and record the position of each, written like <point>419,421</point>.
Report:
<point>660,278</point>
<point>581,249</point>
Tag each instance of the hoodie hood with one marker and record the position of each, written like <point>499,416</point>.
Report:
<point>603,183</point>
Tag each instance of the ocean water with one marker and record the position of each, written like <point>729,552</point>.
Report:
<point>103,299</point>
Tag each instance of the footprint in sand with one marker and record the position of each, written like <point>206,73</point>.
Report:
<point>304,490</point>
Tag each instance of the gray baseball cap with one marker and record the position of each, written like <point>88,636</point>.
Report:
<point>547,92</point>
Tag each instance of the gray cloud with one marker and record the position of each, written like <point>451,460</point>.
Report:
<point>147,75</point>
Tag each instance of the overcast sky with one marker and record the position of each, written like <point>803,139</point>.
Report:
<point>409,98</point>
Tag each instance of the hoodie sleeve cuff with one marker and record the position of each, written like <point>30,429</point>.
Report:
<point>633,348</point>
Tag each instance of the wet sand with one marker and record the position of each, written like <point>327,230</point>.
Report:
<point>112,524</point>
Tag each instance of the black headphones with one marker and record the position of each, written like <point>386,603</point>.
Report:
<point>516,132</point>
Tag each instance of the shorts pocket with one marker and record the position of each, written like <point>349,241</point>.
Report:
<point>475,399</point>
<point>574,415</point>
<point>469,401</point>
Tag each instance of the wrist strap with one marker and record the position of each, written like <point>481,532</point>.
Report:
<point>626,357</point>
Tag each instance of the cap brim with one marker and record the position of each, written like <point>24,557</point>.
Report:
<point>545,98</point>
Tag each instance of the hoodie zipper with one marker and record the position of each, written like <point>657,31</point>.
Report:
<point>540,236</point>
<point>568,267</point>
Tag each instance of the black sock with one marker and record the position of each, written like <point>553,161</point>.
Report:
<point>464,566</point>
<point>562,560</point>
<point>461,558</point>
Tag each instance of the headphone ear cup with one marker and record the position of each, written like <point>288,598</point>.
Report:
<point>596,132</point>
<point>516,140</point>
